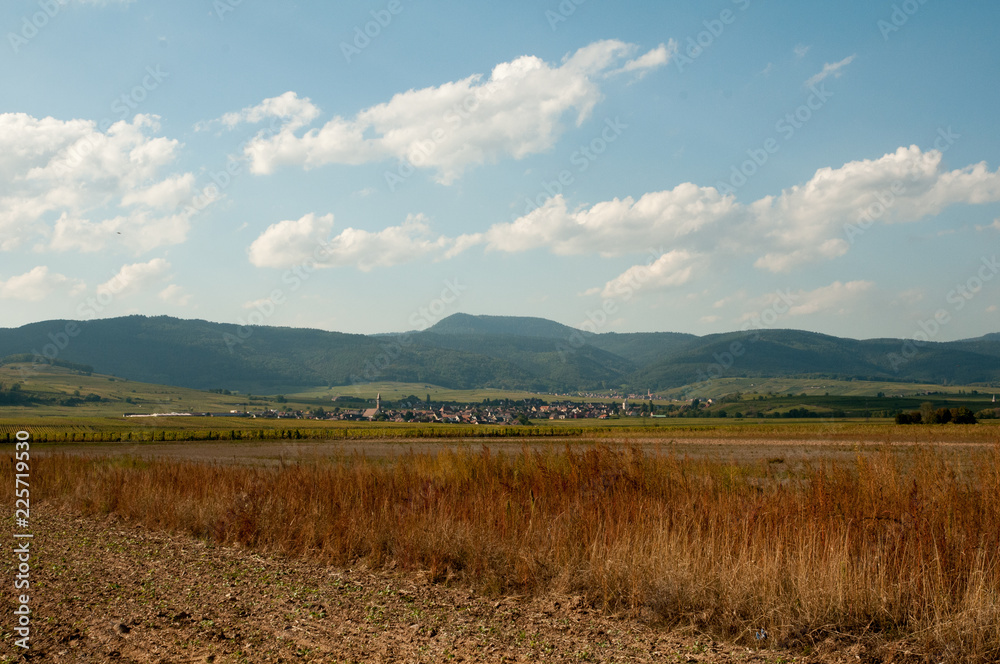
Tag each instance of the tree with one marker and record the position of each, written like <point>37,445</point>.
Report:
<point>963,415</point>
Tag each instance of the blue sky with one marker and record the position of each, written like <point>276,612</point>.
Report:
<point>372,167</point>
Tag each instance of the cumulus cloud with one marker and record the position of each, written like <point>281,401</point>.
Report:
<point>38,284</point>
<point>292,241</point>
<point>815,221</point>
<point>174,294</point>
<point>820,219</point>
<point>686,229</point>
<point>805,223</point>
<point>309,241</point>
<point>519,109</point>
<point>288,107</point>
<point>829,69</point>
<point>618,226</point>
<point>673,268</point>
<point>72,186</point>
<point>135,278</point>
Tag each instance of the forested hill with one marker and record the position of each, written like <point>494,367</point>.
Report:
<point>464,351</point>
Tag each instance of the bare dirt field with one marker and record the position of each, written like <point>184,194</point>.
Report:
<point>104,591</point>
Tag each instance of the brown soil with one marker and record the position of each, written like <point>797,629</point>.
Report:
<point>105,591</point>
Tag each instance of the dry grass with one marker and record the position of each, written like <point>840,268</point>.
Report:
<point>903,549</point>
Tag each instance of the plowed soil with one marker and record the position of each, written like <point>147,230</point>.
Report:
<point>106,591</point>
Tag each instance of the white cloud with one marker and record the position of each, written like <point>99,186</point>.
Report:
<point>806,223</point>
<point>134,278</point>
<point>37,285</point>
<point>463,242</point>
<point>829,69</point>
<point>784,262</point>
<point>800,50</point>
<point>618,226</point>
<point>71,186</point>
<point>657,57</point>
<point>910,297</point>
<point>994,226</point>
<point>307,241</point>
<point>738,296</point>
<point>836,298</point>
<point>673,268</point>
<point>288,107</point>
<point>518,110</point>
<point>819,220</point>
<point>291,242</point>
<point>174,294</point>
<point>258,304</point>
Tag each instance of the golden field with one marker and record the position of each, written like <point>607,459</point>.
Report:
<point>894,543</point>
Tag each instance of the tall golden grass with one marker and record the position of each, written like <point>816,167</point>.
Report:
<point>898,548</point>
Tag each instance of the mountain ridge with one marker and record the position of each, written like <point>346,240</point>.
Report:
<point>464,351</point>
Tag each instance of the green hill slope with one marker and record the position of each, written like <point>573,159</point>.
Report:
<point>464,352</point>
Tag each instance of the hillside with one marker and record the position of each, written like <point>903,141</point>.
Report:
<point>514,326</point>
<point>465,352</point>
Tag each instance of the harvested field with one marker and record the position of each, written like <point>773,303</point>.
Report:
<point>887,548</point>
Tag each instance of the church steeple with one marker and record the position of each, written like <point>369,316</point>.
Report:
<point>378,401</point>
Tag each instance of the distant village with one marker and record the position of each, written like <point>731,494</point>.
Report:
<point>558,407</point>
<point>499,411</point>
